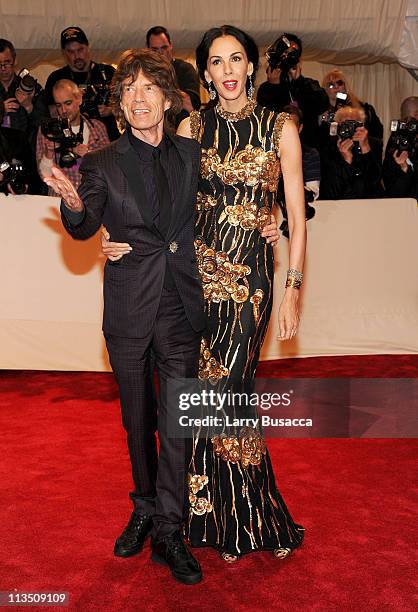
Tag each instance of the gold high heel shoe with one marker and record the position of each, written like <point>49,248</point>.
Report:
<point>229,558</point>
<point>282,553</point>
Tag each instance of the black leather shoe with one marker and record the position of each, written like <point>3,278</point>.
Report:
<point>132,539</point>
<point>173,552</point>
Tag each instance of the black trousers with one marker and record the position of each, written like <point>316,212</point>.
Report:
<point>160,480</point>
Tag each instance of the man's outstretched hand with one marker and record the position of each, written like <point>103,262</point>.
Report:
<point>65,189</point>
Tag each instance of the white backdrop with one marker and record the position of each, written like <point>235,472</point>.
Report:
<point>360,292</point>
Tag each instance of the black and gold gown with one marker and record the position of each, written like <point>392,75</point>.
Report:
<point>234,504</point>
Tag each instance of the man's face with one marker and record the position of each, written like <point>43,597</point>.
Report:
<point>143,103</point>
<point>161,44</point>
<point>77,56</point>
<point>7,66</point>
<point>68,103</point>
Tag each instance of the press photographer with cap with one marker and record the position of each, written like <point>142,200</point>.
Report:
<point>70,137</point>
<point>93,79</point>
<point>24,105</point>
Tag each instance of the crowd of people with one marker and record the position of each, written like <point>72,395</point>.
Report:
<point>342,136</point>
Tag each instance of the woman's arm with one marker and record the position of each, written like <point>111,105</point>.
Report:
<point>291,163</point>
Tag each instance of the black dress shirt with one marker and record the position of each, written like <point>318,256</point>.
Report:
<point>172,166</point>
<point>171,163</point>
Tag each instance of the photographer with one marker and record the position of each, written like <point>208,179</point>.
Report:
<point>159,40</point>
<point>93,79</point>
<point>68,141</point>
<point>350,165</point>
<point>286,85</point>
<point>335,83</point>
<point>24,105</point>
<point>400,166</point>
<point>17,164</point>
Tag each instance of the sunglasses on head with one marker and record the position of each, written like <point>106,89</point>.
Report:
<point>338,83</point>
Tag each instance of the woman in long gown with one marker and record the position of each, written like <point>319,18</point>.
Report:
<point>234,504</point>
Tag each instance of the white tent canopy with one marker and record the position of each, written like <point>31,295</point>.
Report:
<point>340,31</point>
<point>370,39</point>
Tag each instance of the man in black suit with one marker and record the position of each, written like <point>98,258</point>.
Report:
<point>143,188</point>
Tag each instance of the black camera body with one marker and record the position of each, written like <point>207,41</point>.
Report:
<point>283,54</point>
<point>340,101</point>
<point>404,136</point>
<point>346,129</point>
<point>93,97</point>
<point>59,130</point>
<point>14,174</point>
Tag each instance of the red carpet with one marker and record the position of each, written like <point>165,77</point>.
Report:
<point>65,477</point>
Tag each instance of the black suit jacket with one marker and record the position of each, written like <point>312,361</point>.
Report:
<point>113,193</point>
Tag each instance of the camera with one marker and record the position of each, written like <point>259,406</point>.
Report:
<point>14,174</point>
<point>59,130</point>
<point>27,83</point>
<point>283,54</point>
<point>404,135</point>
<point>345,129</point>
<point>341,100</point>
<point>94,95</point>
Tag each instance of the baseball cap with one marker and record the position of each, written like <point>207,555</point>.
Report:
<point>73,34</point>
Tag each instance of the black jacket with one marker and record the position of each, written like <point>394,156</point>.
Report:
<point>400,184</point>
<point>359,180</point>
<point>113,193</point>
<point>20,119</point>
<point>309,96</point>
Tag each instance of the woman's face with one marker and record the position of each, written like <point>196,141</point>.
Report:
<point>333,86</point>
<point>228,68</point>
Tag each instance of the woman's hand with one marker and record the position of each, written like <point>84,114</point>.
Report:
<point>289,314</point>
<point>113,250</point>
<point>270,232</point>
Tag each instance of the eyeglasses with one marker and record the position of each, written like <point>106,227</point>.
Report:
<point>338,83</point>
<point>4,65</point>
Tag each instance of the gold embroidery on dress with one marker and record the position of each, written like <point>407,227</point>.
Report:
<point>209,368</point>
<point>245,111</point>
<point>252,166</point>
<point>248,448</point>
<point>277,130</point>
<point>256,300</point>
<point>247,215</point>
<point>198,505</point>
<point>204,201</point>
<point>195,124</point>
<point>220,277</point>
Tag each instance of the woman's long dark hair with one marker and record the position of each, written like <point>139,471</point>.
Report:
<point>202,51</point>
